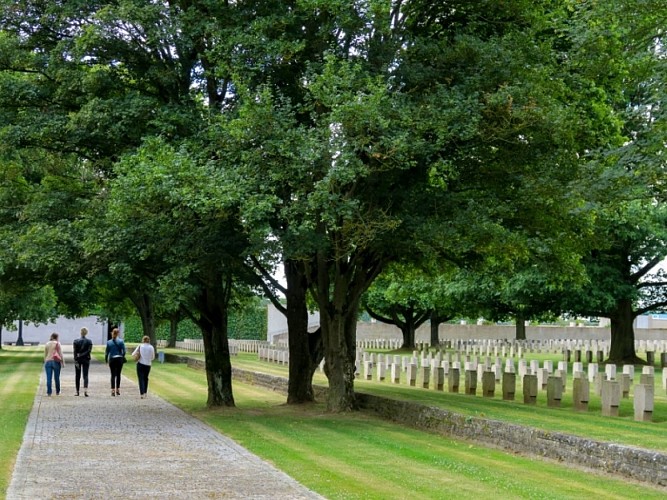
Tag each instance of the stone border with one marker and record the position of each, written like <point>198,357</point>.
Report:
<point>635,463</point>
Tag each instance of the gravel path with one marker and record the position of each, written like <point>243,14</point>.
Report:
<point>127,447</point>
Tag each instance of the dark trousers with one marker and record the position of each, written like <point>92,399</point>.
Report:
<point>142,375</point>
<point>116,366</point>
<point>81,368</point>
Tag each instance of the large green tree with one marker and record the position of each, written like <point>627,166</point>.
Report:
<point>619,48</point>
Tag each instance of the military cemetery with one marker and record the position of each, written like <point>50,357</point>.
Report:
<point>369,250</point>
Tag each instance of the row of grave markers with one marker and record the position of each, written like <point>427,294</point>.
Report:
<point>572,350</point>
<point>435,372</point>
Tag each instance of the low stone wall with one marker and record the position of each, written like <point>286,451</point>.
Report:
<point>642,465</point>
<point>638,464</point>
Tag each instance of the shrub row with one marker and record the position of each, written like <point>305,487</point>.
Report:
<point>245,324</point>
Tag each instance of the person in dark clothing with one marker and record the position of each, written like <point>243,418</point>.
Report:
<point>114,356</point>
<point>83,346</point>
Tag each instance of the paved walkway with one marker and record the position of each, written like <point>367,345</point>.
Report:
<point>128,447</point>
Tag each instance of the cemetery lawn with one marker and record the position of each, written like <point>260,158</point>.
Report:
<point>621,430</point>
<point>354,456</point>
<point>19,379</point>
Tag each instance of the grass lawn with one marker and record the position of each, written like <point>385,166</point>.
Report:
<point>19,379</point>
<point>623,430</point>
<point>357,456</point>
<point>350,456</point>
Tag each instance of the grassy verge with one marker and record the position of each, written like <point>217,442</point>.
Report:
<point>357,456</point>
<point>622,429</point>
<point>19,379</point>
<point>351,456</point>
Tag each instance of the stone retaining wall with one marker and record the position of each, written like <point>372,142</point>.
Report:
<point>642,465</point>
<point>639,464</point>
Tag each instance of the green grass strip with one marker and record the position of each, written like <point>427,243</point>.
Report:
<point>19,379</point>
<point>355,456</point>
<point>592,425</point>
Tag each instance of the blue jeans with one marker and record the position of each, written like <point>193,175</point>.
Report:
<point>52,371</point>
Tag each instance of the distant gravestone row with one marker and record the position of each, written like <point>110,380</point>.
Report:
<point>436,371</point>
<point>573,350</point>
<point>447,370</point>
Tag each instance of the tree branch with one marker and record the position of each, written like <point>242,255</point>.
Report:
<point>645,269</point>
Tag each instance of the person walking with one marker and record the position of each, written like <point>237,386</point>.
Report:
<point>114,356</point>
<point>83,346</point>
<point>53,362</point>
<point>144,354</point>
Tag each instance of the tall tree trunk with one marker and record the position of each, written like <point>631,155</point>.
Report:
<point>339,359</point>
<point>436,320</point>
<point>520,326</point>
<point>19,338</point>
<point>338,285</point>
<point>301,370</point>
<point>408,331</point>
<point>623,335</point>
<point>144,305</point>
<point>173,330</point>
<point>212,306</point>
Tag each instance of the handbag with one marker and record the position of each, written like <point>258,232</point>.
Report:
<point>136,355</point>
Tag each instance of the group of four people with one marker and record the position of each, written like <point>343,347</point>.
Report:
<point>114,356</point>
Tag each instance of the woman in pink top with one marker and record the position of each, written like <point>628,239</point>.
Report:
<point>53,362</point>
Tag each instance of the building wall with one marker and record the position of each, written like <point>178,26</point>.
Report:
<point>366,330</point>
<point>68,330</point>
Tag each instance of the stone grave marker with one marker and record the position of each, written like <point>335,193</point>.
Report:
<point>580,392</point>
<point>488,384</point>
<point>530,389</point>
<point>470,386</point>
<point>381,371</point>
<point>438,377</point>
<point>425,376</point>
<point>554,390</point>
<point>453,380</point>
<point>396,373</point>
<point>643,402</point>
<point>509,385</point>
<point>611,398</point>
<point>412,374</point>
<point>368,370</point>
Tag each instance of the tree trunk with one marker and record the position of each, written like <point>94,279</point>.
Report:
<point>408,331</point>
<point>19,338</point>
<point>173,330</point>
<point>212,305</point>
<point>623,335</point>
<point>338,287</point>
<point>520,326</point>
<point>339,359</point>
<point>144,305</point>
<point>435,329</point>
<point>301,370</point>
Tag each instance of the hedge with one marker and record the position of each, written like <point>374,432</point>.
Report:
<point>249,323</point>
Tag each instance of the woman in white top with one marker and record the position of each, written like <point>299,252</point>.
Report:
<point>144,354</point>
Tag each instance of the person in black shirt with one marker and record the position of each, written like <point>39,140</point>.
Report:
<point>83,346</point>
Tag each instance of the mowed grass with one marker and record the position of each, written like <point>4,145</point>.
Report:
<point>357,456</point>
<point>591,424</point>
<point>19,379</point>
<point>340,456</point>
